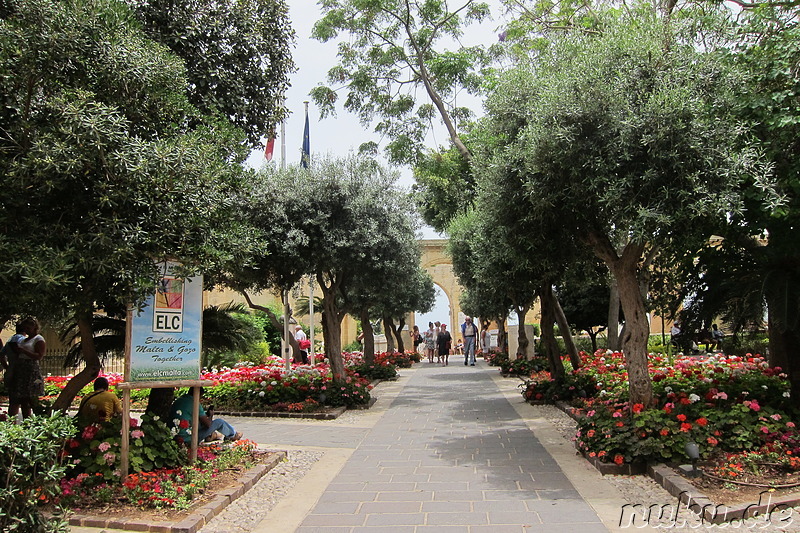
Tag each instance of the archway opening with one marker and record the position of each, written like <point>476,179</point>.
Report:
<point>441,311</point>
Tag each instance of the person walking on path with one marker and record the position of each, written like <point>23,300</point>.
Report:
<point>26,384</point>
<point>443,342</point>
<point>9,356</point>
<point>416,338</point>
<point>303,344</point>
<point>469,332</point>
<point>430,342</point>
<point>437,329</point>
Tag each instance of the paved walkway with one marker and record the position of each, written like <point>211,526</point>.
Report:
<point>449,450</point>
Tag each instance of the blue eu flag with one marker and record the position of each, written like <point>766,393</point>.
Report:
<point>305,157</point>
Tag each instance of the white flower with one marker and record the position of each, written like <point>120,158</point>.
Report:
<point>786,394</point>
<point>764,387</point>
<point>667,389</point>
<point>179,412</point>
<point>261,394</point>
<point>263,383</point>
<point>694,398</point>
<point>156,418</point>
<point>273,383</point>
<point>176,421</point>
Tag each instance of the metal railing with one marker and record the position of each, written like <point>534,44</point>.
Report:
<point>53,364</point>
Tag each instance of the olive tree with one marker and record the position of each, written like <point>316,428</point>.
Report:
<point>100,172</point>
<point>624,140</point>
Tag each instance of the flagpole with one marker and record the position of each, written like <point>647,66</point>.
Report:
<point>283,144</point>
<point>285,294</point>
<point>305,155</point>
<point>311,352</point>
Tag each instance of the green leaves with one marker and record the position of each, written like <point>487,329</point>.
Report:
<point>30,467</point>
<point>237,54</point>
<point>395,49</point>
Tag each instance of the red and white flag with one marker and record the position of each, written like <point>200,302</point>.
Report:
<point>269,148</point>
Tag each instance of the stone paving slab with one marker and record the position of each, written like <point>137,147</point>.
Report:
<point>451,454</point>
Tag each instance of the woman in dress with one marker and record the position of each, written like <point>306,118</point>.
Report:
<point>430,341</point>
<point>416,338</point>
<point>27,385</point>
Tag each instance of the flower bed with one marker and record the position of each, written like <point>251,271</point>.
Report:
<point>270,387</point>
<point>164,487</point>
<point>724,404</point>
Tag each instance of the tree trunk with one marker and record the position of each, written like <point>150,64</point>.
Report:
<point>593,335</point>
<point>548,335</point>
<point>636,334</point>
<point>368,339</point>
<point>159,402</point>
<point>332,328</point>
<point>613,315</point>
<point>783,343</point>
<point>522,335</point>
<point>398,333</point>
<point>624,268</point>
<point>502,343</point>
<point>388,332</point>
<point>277,323</point>
<point>566,333</point>
<point>88,374</point>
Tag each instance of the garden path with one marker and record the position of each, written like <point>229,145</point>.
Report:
<point>445,449</point>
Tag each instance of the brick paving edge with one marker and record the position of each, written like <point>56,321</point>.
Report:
<point>198,518</point>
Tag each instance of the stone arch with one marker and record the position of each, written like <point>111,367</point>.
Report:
<point>439,265</point>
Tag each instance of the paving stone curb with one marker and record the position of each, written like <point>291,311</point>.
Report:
<point>709,511</point>
<point>328,415</point>
<point>198,518</point>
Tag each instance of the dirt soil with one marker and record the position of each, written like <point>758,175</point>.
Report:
<point>730,494</point>
<point>123,509</point>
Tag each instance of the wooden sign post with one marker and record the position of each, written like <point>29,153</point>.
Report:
<point>162,349</point>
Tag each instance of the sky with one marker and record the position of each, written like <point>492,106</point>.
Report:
<point>342,134</point>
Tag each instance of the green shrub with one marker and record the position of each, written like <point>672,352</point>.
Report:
<point>354,346</point>
<point>30,469</point>
<point>496,358</point>
<point>522,366</point>
<point>375,371</point>
<point>746,343</point>
<point>350,393</point>
<point>96,448</point>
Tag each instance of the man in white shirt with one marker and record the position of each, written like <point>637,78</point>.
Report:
<point>469,332</point>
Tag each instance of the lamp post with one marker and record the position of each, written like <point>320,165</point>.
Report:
<point>693,452</point>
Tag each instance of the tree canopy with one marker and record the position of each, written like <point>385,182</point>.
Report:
<point>105,164</point>
<point>620,138</point>
<point>395,48</point>
<point>237,55</point>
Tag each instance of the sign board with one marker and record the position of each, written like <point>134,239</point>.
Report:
<point>166,332</point>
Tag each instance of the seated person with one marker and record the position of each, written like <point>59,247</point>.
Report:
<point>717,335</point>
<point>99,406</point>
<point>182,410</point>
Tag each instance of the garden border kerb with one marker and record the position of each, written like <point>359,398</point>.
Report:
<point>199,517</point>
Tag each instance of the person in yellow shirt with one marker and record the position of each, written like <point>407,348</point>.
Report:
<point>99,406</point>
